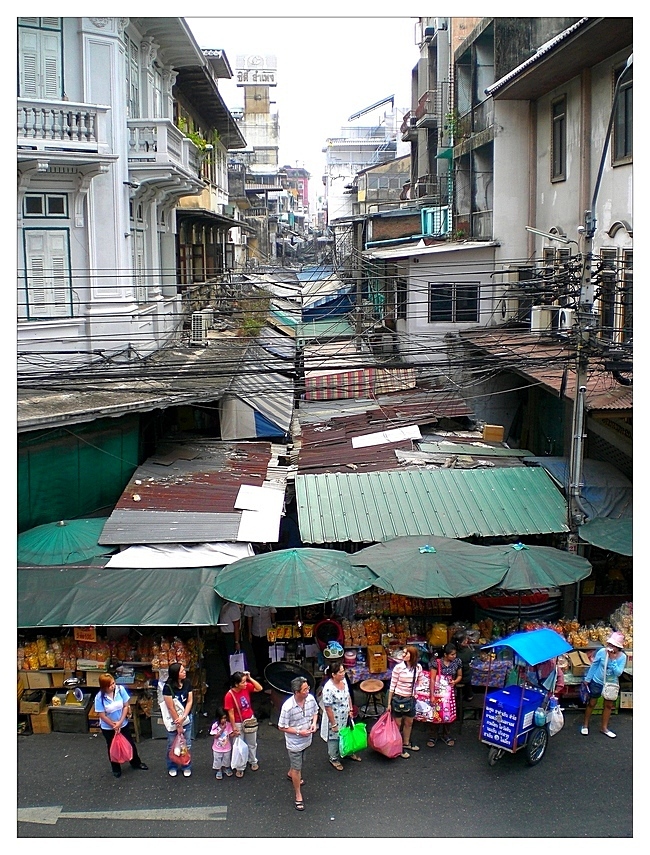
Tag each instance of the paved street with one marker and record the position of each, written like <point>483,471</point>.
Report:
<point>582,788</point>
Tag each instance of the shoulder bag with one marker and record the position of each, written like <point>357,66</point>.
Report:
<point>249,725</point>
<point>610,690</point>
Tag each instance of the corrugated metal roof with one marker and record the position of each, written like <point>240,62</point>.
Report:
<point>377,506</point>
<point>187,493</point>
<point>259,383</point>
<point>326,446</point>
<point>544,360</point>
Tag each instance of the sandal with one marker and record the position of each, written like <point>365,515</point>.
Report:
<point>355,757</point>
<point>411,747</point>
<point>337,765</point>
<point>239,774</point>
<point>449,741</point>
<point>254,767</point>
<point>405,755</point>
<point>431,743</point>
<point>300,805</point>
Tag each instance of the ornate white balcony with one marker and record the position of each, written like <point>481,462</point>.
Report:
<point>160,155</point>
<point>61,126</point>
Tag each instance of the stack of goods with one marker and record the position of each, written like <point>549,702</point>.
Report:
<point>621,620</point>
<point>377,602</point>
<point>57,654</point>
<point>165,651</point>
<point>369,631</point>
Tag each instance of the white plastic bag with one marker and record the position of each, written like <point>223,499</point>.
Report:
<point>239,757</point>
<point>557,721</point>
<point>237,662</point>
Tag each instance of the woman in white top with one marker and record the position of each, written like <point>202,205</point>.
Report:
<point>401,696</point>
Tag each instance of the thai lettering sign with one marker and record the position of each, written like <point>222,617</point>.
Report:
<point>256,70</point>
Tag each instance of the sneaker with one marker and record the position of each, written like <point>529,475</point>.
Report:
<point>172,773</point>
<point>584,730</point>
<point>187,773</point>
<point>609,733</point>
<point>219,775</point>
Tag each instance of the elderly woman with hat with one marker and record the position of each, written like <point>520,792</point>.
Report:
<point>606,667</point>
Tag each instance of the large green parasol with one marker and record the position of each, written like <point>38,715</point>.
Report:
<point>62,542</point>
<point>292,577</point>
<point>429,567</point>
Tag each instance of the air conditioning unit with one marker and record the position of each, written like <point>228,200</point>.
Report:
<point>541,319</point>
<point>566,319</point>
<point>209,317</point>
<point>508,308</point>
<point>199,332</point>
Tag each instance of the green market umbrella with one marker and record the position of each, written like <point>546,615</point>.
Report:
<point>62,542</point>
<point>292,577</point>
<point>430,567</point>
<point>540,567</point>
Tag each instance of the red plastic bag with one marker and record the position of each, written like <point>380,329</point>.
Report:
<point>121,749</point>
<point>385,736</point>
<point>179,752</point>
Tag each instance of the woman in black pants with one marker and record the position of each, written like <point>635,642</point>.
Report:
<point>112,707</point>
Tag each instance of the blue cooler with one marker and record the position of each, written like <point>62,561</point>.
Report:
<point>509,715</point>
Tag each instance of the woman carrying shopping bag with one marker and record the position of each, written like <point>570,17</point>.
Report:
<point>401,696</point>
<point>237,703</point>
<point>336,703</point>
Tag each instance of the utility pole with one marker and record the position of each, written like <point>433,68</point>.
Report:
<point>586,322</point>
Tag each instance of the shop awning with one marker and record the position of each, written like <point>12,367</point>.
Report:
<point>614,535</point>
<point>376,506</point>
<point>65,596</point>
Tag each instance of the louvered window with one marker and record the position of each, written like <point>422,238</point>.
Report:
<point>40,59</point>
<point>47,266</point>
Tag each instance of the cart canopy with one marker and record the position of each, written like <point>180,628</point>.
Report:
<point>535,646</point>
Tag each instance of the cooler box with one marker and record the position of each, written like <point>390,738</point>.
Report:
<point>503,724</point>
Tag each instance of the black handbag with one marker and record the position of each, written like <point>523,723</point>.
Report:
<point>402,706</point>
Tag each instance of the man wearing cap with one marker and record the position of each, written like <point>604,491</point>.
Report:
<point>606,667</point>
<point>297,721</point>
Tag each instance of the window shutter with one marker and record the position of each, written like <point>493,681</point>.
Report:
<point>48,275</point>
<point>29,42</point>
<point>51,65</point>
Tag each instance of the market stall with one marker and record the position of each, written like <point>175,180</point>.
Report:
<point>80,622</point>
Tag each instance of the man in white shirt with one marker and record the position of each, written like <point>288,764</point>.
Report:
<point>258,620</point>
<point>297,721</point>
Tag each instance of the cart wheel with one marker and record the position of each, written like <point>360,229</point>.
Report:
<point>536,745</point>
<point>494,754</point>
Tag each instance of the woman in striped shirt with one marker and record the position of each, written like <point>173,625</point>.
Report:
<point>401,696</point>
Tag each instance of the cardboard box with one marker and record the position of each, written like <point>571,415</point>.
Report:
<point>377,659</point>
<point>41,723</point>
<point>58,677</point>
<point>91,678</point>
<point>493,433</point>
<point>580,663</point>
<point>38,680</point>
<point>22,679</point>
<point>33,702</point>
<point>626,700</point>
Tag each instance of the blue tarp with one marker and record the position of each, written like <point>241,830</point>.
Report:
<point>535,646</point>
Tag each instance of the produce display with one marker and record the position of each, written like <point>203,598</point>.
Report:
<point>64,653</point>
<point>377,602</point>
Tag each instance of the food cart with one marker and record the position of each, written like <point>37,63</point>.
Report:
<point>516,717</point>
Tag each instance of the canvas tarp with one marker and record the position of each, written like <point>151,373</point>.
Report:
<point>91,596</point>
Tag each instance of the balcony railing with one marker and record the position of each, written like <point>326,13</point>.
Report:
<point>479,119</point>
<point>432,106</point>
<point>159,142</point>
<point>61,126</point>
<point>433,188</point>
